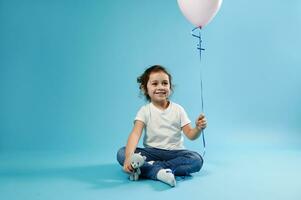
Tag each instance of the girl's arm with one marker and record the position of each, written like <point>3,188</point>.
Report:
<point>132,144</point>
<point>194,133</point>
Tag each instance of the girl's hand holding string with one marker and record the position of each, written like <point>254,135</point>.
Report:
<point>201,122</point>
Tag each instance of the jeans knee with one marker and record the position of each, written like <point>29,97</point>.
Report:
<point>197,161</point>
<point>121,155</point>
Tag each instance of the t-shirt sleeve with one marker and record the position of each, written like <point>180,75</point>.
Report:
<point>184,117</point>
<point>141,115</point>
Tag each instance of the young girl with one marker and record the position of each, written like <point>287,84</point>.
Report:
<point>163,122</point>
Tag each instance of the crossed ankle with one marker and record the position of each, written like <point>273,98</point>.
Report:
<point>166,176</point>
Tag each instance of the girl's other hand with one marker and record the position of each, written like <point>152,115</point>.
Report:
<point>201,122</point>
<point>127,167</point>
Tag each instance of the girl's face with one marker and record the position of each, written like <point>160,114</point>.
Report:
<point>158,86</point>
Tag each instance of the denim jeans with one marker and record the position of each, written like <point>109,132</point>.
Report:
<point>181,162</point>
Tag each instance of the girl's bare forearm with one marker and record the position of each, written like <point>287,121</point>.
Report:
<point>131,144</point>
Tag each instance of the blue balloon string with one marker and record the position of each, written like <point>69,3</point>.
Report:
<point>199,47</point>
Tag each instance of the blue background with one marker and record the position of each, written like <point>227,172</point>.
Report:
<point>68,74</point>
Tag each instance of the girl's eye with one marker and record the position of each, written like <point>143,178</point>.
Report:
<point>154,83</point>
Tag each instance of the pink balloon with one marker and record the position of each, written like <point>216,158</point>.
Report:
<point>199,12</point>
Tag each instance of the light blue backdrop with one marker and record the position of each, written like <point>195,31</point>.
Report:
<point>68,70</point>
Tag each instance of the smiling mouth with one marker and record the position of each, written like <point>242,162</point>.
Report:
<point>160,92</point>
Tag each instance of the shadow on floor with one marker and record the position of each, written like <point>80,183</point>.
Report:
<point>102,176</point>
<point>99,176</point>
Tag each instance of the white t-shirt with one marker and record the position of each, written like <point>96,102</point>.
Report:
<point>163,127</point>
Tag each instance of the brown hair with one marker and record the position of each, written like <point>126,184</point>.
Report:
<point>143,79</point>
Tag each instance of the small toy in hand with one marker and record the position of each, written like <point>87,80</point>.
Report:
<point>137,160</point>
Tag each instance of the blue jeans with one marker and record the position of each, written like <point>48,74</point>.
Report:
<point>181,162</point>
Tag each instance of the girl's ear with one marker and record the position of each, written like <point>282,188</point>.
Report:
<point>143,89</point>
